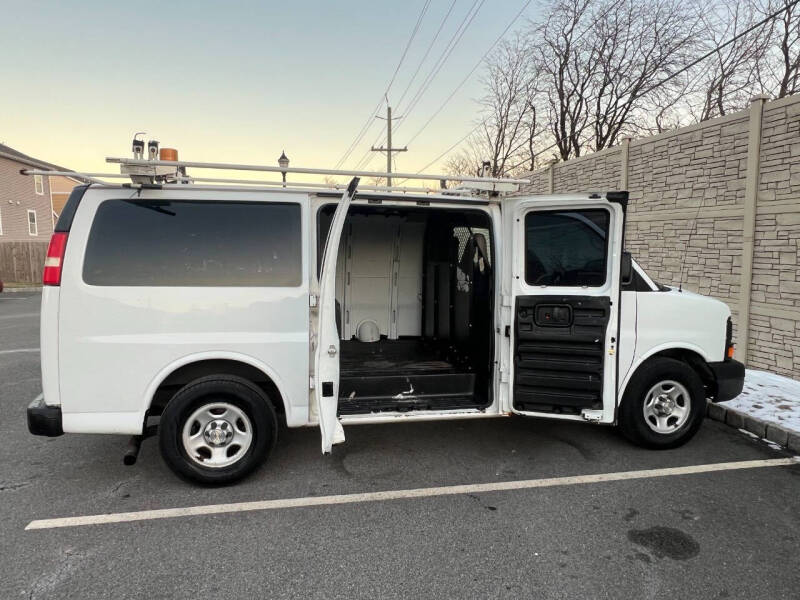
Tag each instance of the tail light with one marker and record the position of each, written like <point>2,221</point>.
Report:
<point>55,259</point>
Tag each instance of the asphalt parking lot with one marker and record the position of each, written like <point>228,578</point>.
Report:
<point>724,534</point>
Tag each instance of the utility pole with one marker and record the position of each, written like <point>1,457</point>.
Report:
<point>388,149</point>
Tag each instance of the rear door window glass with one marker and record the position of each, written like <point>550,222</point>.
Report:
<point>194,243</point>
<point>566,248</point>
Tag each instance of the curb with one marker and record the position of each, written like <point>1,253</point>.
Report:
<point>763,429</point>
<point>17,290</point>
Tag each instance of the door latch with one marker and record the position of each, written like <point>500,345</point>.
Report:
<point>331,350</point>
<point>593,416</point>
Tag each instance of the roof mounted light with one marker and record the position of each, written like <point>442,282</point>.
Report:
<point>168,154</point>
<point>137,146</point>
<point>152,150</point>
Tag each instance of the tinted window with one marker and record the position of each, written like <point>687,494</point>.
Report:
<point>566,247</point>
<point>186,243</point>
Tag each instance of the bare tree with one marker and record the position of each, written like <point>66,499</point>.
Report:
<point>599,60</point>
<point>592,71</point>
<point>729,77</point>
<point>506,103</point>
<point>466,161</point>
<point>637,45</point>
<point>566,65</point>
<point>779,72</point>
<point>788,29</point>
<point>509,128</point>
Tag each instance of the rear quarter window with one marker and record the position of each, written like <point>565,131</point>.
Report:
<point>194,243</point>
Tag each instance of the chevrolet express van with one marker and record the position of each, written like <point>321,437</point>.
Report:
<point>210,313</point>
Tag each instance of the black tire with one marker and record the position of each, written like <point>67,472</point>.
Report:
<point>229,389</point>
<point>632,421</point>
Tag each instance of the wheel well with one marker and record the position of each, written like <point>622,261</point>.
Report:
<point>183,375</point>
<point>695,361</point>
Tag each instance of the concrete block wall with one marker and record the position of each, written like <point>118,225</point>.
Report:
<point>716,205</point>
<point>596,171</point>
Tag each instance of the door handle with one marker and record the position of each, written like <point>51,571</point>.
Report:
<point>331,350</point>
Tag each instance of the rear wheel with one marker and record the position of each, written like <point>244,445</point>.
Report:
<point>217,429</point>
<point>663,405</point>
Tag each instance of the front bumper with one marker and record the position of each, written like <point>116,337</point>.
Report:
<point>43,419</point>
<point>729,376</point>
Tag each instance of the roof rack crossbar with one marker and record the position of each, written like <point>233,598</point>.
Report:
<point>295,184</point>
<point>89,177</point>
<point>309,171</point>
<point>97,178</point>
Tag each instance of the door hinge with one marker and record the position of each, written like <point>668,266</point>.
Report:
<point>505,300</point>
<point>311,383</point>
<point>593,416</point>
<point>312,300</point>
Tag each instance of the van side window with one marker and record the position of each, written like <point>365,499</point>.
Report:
<point>194,243</point>
<point>566,248</point>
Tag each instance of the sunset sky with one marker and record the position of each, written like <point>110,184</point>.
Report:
<point>233,81</point>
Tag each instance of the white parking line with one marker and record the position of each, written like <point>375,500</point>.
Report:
<point>19,350</point>
<point>451,490</point>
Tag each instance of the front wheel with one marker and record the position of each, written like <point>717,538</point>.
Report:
<point>217,429</point>
<point>663,405</point>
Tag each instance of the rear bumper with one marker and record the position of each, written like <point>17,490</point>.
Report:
<point>43,419</point>
<point>729,375</point>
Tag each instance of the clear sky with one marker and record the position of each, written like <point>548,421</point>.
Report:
<point>232,81</point>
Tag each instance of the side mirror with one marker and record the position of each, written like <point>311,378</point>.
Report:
<point>626,275</point>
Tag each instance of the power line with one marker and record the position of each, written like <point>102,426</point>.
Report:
<point>455,39</point>
<point>451,148</point>
<point>695,62</point>
<point>438,64</point>
<point>427,52</point>
<point>460,141</point>
<point>463,81</point>
<point>385,94</point>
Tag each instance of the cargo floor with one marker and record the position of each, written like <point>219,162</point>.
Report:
<point>401,375</point>
<point>390,357</point>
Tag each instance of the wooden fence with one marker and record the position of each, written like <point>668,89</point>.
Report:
<point>22,262</point>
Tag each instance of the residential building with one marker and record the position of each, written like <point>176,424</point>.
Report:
<point>29,207</point>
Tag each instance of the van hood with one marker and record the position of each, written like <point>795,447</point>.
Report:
<point>696,298</point>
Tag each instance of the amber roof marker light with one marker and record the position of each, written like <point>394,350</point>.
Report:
<point>168,154</point>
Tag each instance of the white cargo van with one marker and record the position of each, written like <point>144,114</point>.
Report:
<point>214,311</point>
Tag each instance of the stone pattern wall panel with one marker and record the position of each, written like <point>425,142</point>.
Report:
<point>686,217</point>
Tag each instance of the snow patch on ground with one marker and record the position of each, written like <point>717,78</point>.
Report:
<point>771,398</point>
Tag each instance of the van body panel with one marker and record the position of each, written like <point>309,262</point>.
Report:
<point>48,343</point>
<point>627,335</point>
<point>117,340</point>
<point>682,319</point>
<point>669,320</point>
<point>296,413</point>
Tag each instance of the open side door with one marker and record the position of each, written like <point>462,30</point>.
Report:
<point>563,263</point>
<point>326,352</point>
